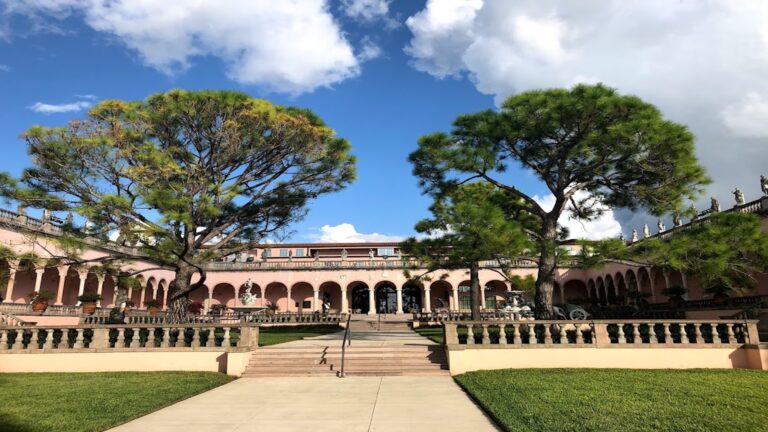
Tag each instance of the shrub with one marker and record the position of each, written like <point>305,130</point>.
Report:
<point>152,304</point>
<point>89,298</point>
<point>195,307</point>
<point>41,296</point>
<point>674,290</point>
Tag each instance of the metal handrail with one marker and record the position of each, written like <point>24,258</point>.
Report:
<point>346,341</point>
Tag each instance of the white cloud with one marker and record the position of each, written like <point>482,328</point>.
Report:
<point>46,108</point>
<point>749,118</point>
<point>369,50</point>
<point>290,46</point>
<point>347,233</point>
<point>605,226</point>
<point>703,63</point>
<point>367,10</point>
<point>4,68</point>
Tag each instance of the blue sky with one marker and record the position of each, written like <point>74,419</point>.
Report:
<point>382,73</point>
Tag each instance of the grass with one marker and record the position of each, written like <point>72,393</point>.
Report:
<point>622,399</point>
<point>277,335</point>
<point>92,401</point>
<point>434,333</point>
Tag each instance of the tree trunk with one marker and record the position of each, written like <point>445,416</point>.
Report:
<point>545,281</point>
<point>178,290</point>
<point>475,290</point>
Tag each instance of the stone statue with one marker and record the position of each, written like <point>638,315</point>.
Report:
<point>646,231</point>
<point>676,220</point>
<point>621,236</point>
<point>316,255</point>
<point>370,253</point>
<point>247,297</point>
<point>69,219</point>
<point>21,209</point>
<point>660,225</point>
<point>46,215</point>
<point>634,235</point>
<point>344,253</point>
<point>714,207</point>
<point>739,196</point>
<point>290,254</point>
<point>89,226</point>
<point>764,184</point>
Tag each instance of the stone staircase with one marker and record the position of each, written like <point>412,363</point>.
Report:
<point>396,351</point>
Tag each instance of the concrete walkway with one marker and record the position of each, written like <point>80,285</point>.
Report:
<point>323,404</point>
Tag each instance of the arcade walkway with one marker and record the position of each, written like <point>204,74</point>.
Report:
<point>323,404</point>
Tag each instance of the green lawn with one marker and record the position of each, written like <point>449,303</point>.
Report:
<point>433,333</point>
<point>278,335</point>
<point>622,399</point>
<point>92,401</point>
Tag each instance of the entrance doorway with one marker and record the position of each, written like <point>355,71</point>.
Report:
<point>360,298</point>
<point>411,299</point>
<point>386,299</point>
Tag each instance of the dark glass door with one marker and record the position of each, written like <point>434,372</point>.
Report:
<point>386,299</point>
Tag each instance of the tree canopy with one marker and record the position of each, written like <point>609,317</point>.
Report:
<point>468,226</point>
<point>186,177</point>
<point>591,147</point>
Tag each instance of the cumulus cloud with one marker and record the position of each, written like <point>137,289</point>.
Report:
<point>290,46</point>
<point>46,108</point>
<point>605,226</point>
<point>347,233</point>
<point>4,68</point>
<point>703,63</point>
<point>367,10</point>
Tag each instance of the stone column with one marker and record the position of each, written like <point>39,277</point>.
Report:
<point>142,295</point>
<point>11,281</point>
<point>427,300</point>
<point>81,289</point>
<point>344,301</point>
<point>130,293</point>
<point>289,303</point>
<point>399,291</point>
<point>165,297</point>
<point>38,278</point>
<point>62,280</point>
<point>99,287</point>
<point>210,300</point>
<point>455,298</point>
<point>684,280</point>
<point>315,299</point>
<point>371,301</point>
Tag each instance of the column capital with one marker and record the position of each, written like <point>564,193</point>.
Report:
<point>40,271</point>
<point>63,270</point>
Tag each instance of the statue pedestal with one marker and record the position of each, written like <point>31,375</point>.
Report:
<point>244,310</point>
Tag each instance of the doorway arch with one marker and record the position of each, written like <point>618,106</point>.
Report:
<point>360,298</point>
<point>386,298</point>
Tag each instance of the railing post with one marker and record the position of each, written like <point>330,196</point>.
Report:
<point>450,334</point>
<point>750,329</point>
<point>225,343</point>
<point>100,338</point>
<point>602,338</point>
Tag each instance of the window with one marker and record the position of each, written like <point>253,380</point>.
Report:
<point>299,252</point>
<point>385,251</point>
<point>267,253</point>
<point>283,253</point>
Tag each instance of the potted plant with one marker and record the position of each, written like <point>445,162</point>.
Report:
<point>719,293</point>
<point>39,300</point>
<point>675,294</point>
<point>88,302</point>
<point>153,306</point>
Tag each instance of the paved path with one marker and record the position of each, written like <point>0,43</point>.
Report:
<point>323,404</point>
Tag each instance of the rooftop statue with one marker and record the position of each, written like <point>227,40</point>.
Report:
<point>344,253</point>
<point>739,196</point>
<point>660,226</point>
<point>634,235</point>
<point>764,184</point>
<point>370,253</point>
<point>676,220</point>
<point>646,231</point>
<point>714,206</point>
<point>69,219</point>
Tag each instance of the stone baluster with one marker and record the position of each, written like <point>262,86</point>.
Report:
<point>621,338</point>
<point>730,333</point>
<point>18,343</point>
<point>577,331</point>
<point>3,343</point>
<point>547,334</point>
<point>502,334</point>
<point>563,335</point>
<point>470,334</point>
<point>697,333</point>
<point>225,343</point>
<point>211,340</point>
<point>48,344</point>
<point>195,337</point>
<point>715,334</point>
<point>532,340</point>
<point>636,334</point>
<point>486,335</point>
<point>516,334</point>
<point>165,336</point>
<point>684,339</point>
<point>653,334</point>
<point>79,339</point>
<point>667,334</point>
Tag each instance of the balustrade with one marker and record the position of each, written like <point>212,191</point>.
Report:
<point>599,334</point>
<point>122,338</point>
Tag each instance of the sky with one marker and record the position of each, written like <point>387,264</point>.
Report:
<point>382,73</point>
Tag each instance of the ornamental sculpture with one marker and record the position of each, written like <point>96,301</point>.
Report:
<point>764,184</point>
<point>739,196</point>
<point>634,235</point>
<point>677,220</point>
<point>646,231</point>
<point>714,205</point>
<point>660,226</point>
